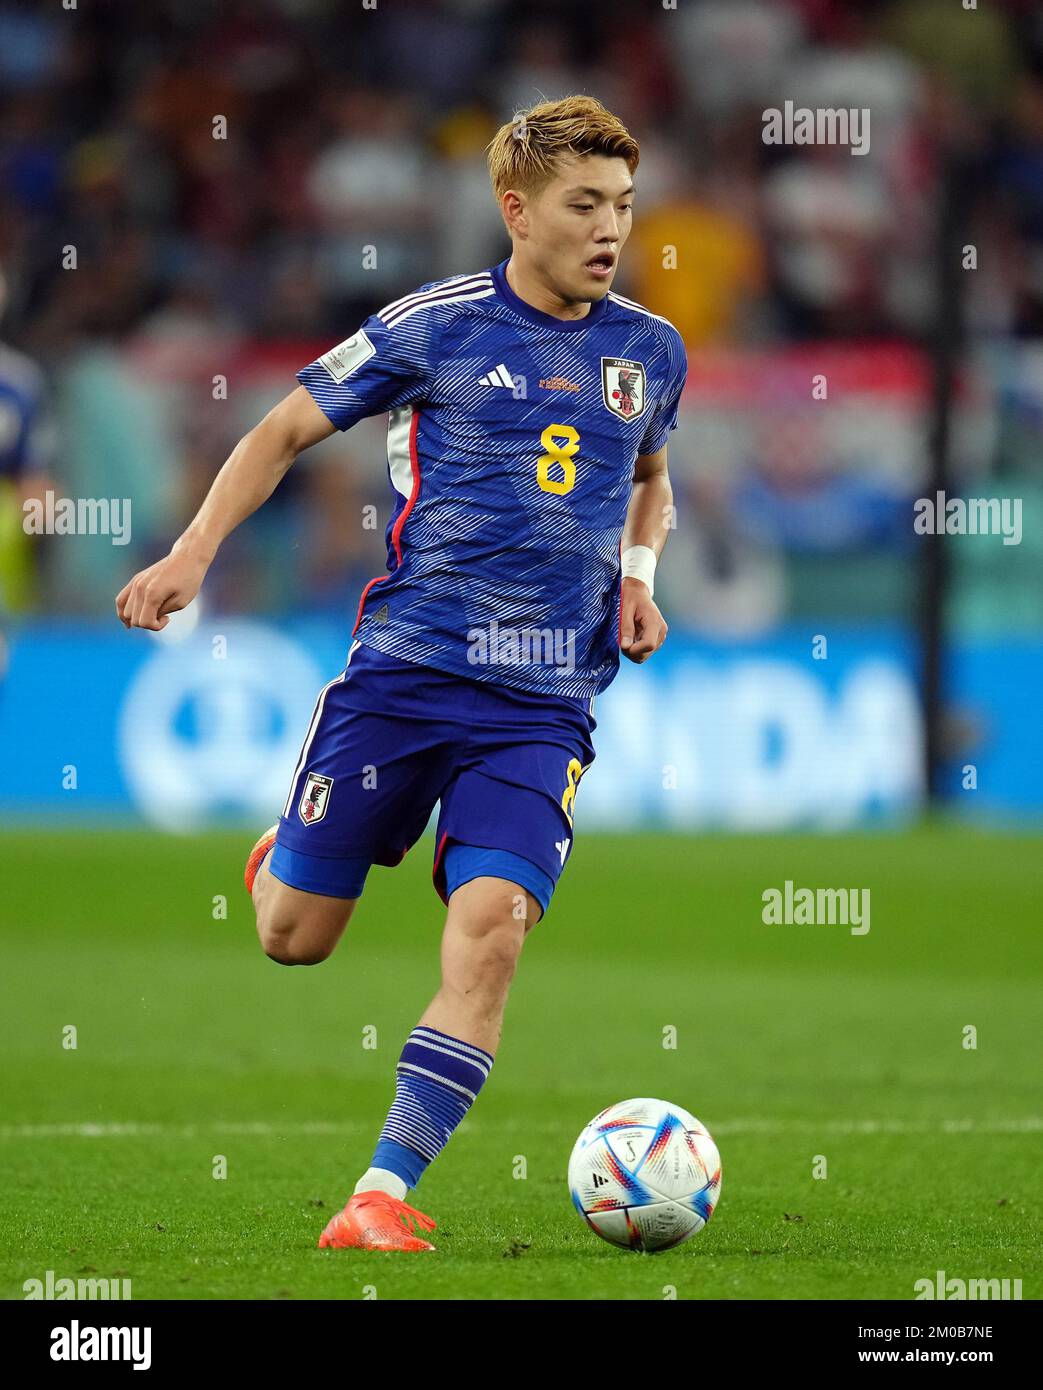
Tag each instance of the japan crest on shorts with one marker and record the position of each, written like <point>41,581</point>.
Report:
<point>315,798</point>
<point>623,386</point>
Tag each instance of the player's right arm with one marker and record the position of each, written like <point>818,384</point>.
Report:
<point>249,477</point>
<point>386,363</point>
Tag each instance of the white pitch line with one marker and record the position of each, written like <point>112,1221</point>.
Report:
<point>1031,1124</point>
<point>133,1130</point>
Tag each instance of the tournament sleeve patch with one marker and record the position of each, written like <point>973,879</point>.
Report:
<point>347,356</point>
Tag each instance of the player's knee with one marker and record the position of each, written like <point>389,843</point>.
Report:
<point>289,941</point>
<point>288,947</point>
<point>498,939</point>
<point>500,949</point>
<point>297,928</point>
<point>287,952</point>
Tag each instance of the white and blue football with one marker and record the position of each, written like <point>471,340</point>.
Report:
<point>645,1174</point>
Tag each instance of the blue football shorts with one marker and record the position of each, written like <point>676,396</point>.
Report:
<point>390,738</point>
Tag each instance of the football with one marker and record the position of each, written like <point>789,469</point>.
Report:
<point>645,1175</point>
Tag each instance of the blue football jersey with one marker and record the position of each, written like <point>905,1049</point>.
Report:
<point>22,437</point>
<point>512,437</point>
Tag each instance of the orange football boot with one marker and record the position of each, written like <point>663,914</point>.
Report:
<point>376,1221</point>
<point>257,854</point>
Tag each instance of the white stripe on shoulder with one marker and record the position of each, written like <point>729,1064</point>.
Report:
<point>632,304</point>
<point>457,283</point>
<point>451,283</point>
<point>436,303</point>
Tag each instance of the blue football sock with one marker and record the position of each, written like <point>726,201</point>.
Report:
<point>436,1082</point>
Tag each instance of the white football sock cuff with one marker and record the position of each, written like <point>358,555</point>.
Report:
<point>382,1180</point>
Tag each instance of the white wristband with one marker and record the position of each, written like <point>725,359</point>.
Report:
<point>639,563</point>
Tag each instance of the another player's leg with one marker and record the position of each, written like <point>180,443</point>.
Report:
<point>295,927</point>
<point>444,1063</point>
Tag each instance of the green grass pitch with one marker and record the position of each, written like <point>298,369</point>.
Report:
<point>792,1042</point>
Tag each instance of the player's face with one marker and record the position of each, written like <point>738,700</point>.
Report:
<point>578,225</point>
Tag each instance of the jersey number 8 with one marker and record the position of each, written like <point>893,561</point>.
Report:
<point>561,454</point>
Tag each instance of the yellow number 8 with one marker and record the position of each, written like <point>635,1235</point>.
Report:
<point>573,773</point>
<point>561,454</point>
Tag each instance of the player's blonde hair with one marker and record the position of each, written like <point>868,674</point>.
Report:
<point>524,154</point>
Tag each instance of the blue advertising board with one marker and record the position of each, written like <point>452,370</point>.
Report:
<point>203,725</point>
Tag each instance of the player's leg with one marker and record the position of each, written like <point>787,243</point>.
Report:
<point>295,927</point>
<point>504,836</point>
<point>486,925</point>
<point>502,843</point>
<point>361,794</point>
<point>446,1058</point>
<point>494,897</point>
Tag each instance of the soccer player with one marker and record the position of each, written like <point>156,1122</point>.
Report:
<point>25,448</point>
<point>528,414</point>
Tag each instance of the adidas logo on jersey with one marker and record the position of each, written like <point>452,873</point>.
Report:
<point>499,376</point>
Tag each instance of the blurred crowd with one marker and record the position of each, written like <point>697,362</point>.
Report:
<point>184,186</point>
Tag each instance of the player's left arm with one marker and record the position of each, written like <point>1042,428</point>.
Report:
<point>642,628</point>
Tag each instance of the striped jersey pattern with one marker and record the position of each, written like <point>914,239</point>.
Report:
<point>511,443</point>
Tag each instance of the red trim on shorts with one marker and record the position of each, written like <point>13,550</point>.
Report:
<point>438,864</point>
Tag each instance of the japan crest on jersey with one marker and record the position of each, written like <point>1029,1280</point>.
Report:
<point>315,798</point>
<point>623,386</point>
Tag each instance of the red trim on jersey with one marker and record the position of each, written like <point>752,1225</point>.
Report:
<point>396,531</point>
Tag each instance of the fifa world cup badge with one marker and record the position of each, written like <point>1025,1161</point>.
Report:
<point>623,386</point>
<point>315,798</point>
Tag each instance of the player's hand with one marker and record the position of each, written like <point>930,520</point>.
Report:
<point>163,588</point>
<point>642,628</point>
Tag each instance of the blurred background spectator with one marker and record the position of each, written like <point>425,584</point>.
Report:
<point>196,200</point>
